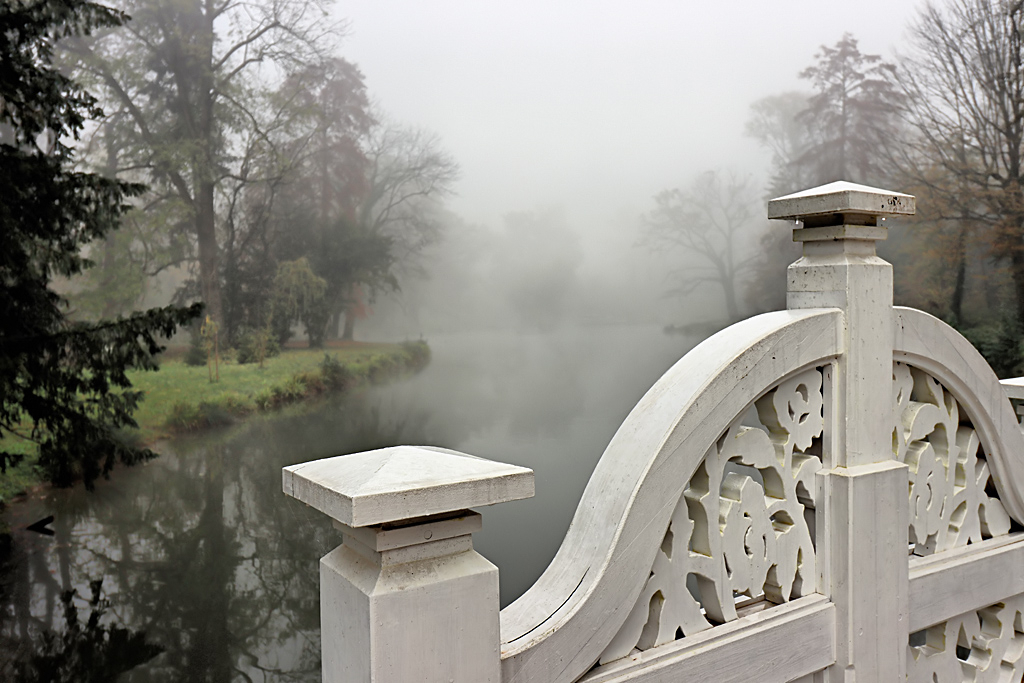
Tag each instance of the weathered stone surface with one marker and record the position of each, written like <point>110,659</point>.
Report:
<point>402,483</point>
<point>841,197</point>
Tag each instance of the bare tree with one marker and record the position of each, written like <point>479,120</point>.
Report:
<point>963,82</point>
<point>193,77</point>
<point>407,173</point>
<point>705,224</point>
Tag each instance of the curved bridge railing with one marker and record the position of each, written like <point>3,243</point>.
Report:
<point>828,493</point>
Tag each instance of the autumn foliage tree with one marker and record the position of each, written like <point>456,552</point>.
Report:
<point>963,83</point>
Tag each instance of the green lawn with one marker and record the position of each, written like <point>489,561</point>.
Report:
<point>239,385</point>
<point>182,398</point>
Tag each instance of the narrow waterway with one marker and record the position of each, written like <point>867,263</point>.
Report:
<point>202,553</point>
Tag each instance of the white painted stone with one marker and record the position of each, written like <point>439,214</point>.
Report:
<point>403,482</point>
<point>924,341</point>
<point>981,646</point>
<point>399,616</point>
<point>966,579</point>
<point>862,542</point>
<point>406,598</point>
<point>734,534</point>
<point>863,561</point>
<point>558,629</point>
<point>773,646</point>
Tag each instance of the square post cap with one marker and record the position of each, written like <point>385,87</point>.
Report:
<point>848,200</point>
<point>403,483</point>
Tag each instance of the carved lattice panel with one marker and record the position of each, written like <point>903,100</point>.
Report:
<point>952,500</point>
<point>744,526</point>
<point>981,647</point>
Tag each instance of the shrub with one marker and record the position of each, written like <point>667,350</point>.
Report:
<point>418,353</point>
<point>186,417</point>
<point>256,345</point>
<point>334,373</point>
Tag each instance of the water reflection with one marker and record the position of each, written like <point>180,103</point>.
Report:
<point>201,553</point>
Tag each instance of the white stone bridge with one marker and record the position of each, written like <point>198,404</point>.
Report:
<point>833,492</point>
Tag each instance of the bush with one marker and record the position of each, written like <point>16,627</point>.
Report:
<point>186,417</point>
<point>334,373</point>
<point>418,353</point>
<point>252,342</point>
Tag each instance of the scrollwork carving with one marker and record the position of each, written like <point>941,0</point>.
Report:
<point>981,647</point>
<point>744,526</point>
<point>952,502</point>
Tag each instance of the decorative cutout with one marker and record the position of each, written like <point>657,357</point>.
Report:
<point>950,484</point>
<point>744,526</point>
<point>981,646</point>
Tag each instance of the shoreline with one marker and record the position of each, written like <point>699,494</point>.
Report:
<point>177,403</point>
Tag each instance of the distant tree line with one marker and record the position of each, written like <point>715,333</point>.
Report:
<point>944,121</point>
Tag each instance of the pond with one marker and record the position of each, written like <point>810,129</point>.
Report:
<point>201,554</point>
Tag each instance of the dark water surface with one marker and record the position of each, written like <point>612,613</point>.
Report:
<point>200,551</point>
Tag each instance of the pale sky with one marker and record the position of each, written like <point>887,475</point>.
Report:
<point>594,106</point>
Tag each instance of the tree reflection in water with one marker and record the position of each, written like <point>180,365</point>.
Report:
<point>200,551</point>
<point>93,652</point>
<point>200,555</point>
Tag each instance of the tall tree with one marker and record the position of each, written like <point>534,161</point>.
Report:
<point>850,114</point>
<point>705,224</point>
<point>62,385</point>
<point>407,173</point>
<point>191,76</point>
<point>839,131</point>
<point>963,85</point>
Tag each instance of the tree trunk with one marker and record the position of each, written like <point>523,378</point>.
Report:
<point>731,308</point>
<point>205,134</point>
<point>350,324</point>
<point>960,247</point>
<point>1017,264</point>
<point>334,324</point>
<point>206,234</point>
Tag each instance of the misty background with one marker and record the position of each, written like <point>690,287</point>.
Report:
<point>585,111</point>
<point>560,198</point>
<point>560,125</point>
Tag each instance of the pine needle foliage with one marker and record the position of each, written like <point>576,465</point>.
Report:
<point>62,384</point>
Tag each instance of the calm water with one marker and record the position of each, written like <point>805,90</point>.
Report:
<point>201,553</point>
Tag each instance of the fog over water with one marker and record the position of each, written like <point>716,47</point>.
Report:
<point>200,550</point>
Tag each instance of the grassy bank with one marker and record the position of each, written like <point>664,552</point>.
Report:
<point>180,398</point>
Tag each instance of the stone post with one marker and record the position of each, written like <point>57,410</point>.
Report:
<point>862,540</point>
<point>405,597</point>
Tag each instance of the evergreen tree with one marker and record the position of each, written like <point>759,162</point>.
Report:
<point>850,115</point>
<point>62,384</point>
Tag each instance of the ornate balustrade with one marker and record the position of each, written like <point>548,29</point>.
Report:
<point>828,493</point>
